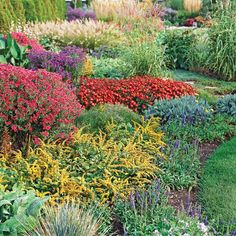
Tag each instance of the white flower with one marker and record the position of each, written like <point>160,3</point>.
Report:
<point>203,227</point>
<point>156,233</point>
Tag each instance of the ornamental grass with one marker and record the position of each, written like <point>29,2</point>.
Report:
<point>87,33</point>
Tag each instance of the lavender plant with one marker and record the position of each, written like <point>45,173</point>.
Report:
<point>182,168</point>
<point>68,62</point>
<point>147,213</point>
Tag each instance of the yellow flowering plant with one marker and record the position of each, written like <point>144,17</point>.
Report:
<point>90,166</point>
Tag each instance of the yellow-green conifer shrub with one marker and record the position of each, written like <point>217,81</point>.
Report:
<point>89,166</point>
<point>19,11</point>
<point>7,16</point>
<point>30,10</point>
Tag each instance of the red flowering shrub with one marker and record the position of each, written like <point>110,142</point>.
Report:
<point>35,102</point>
<point>23,40</point>
<point>135,92</point>
<point>189,22</point>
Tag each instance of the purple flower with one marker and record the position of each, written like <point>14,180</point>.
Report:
<point>79,14</point>
<point>176,144</point>
<point>67,62</point>
<point>131,200</point>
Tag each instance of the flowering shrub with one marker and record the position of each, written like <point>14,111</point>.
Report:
<point>23,40</point>
<point>136,92</point>
<point>89,166</point>
<point>35,101</point>
<point>79,14</point>
<point>67,63</point>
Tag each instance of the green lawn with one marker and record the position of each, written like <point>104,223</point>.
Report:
<point>204,84</point>
<point>218,184</point>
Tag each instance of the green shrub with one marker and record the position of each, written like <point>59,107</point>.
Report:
<point>145,59</point>
<point>111,68</point>
<point>98,117</point>
<point>6,16</point>
<point>16,208</point>
<point>222,38</point>
<point>199,51</point>
<point>227,105</point>
<point>19,11</point>
<point>30,10</point>
<point>185,110</point>
<point>177,45</point>
<point>61,9</point>
<point>176,4</point>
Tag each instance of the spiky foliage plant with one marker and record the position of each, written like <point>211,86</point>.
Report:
<point>67,219</point>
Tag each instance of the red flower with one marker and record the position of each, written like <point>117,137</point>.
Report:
<point>35,101</point>
<point>136,92</point>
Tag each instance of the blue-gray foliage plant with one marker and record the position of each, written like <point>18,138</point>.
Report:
<point>185,110</point>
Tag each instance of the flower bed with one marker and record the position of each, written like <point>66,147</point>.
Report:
<point>136,92</point>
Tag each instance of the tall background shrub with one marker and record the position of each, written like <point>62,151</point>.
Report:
<point>222,38</point>
<point>17,12</point>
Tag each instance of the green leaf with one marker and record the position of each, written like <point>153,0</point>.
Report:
<point>2,44</point>
<point>9,40</point>
<point>14,52</point>
<point>4,202</point>
<point>35,206</point>
<point>3,60</point>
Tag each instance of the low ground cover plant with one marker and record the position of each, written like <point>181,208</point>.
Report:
<point>217,187</point>
<point>185,110</point>
<point>219,128</point>
<point>99,116</point>
<point>136,92</point>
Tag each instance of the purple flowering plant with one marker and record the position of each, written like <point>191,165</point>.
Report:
<point>68,62</point>
<point>80,14</point>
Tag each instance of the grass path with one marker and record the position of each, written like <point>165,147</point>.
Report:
<point>218,184</point>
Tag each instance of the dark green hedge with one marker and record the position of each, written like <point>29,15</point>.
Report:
<point>21,11</point>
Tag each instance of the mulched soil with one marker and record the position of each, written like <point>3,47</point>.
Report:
<point>117,226</point>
